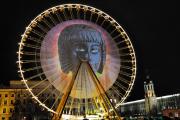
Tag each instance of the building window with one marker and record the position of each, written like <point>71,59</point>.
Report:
<point>11,110</point>
<point>4,110</point>
<point>12,95</point>
<point>6,95</point>
<point>18,95</point>
<point>5,102</point>
<point>12,102</point>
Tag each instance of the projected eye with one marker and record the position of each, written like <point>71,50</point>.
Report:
<point>80,49</point>
<point>94,49</point>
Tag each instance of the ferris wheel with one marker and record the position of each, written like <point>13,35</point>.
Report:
<point>84,58</point>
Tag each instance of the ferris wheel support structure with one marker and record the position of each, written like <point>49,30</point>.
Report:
<point>106,103</point>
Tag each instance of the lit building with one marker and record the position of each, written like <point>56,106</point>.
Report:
<point>150,99</point>
<point>17,104</point>
<point>152,106</point>
<point>165,105</point>
<point>7,99</point>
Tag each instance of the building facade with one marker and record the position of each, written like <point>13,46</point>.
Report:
<point>7,100</point>
<point>150,99</point>
<point>17,104</point>
<point>151,105</point>
<point>168,105</point>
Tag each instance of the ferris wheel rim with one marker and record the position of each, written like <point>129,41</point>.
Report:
<point>69,5</point>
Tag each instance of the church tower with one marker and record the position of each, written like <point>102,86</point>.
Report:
<point>150,97</point>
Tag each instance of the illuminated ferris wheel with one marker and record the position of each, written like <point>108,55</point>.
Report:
<point>83,55</point>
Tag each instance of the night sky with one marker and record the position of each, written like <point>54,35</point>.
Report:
<point>152,26</point>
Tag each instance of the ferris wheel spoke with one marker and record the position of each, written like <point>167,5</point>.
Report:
<point>33,68</point>
<point>86,102</point>
<point>92,13</point>
<point>125,54</point>
<point>43,90</point>
<point>113,31</point>
<point>37,75</point>
<point>120,49</point>
<point>117,92</point>
<point>68,67</point>
<point>34,39</point>
<point>71,105</point>
<point>30,53</point>
<point>52,19</point>
<point>127,67</point>
<point>122,41</point>
<point>117,28</point>
<point>120,86</point>
<point>58,16</point>
<point>35,23</point>
<point>123,80</point>
<point>70,11</point>
<point>50,95</point>
<point>29,61</point>
<point>109,25</point>
<point>99,14</point>
<point>43,28</point>
<point>78,10</point>
<point>38,33</point>
<point>117,36</point>
<point>56,100</point>
<point>105,20</point>
<point>123,48</point>
<point>32,46</point>
<point>34,76</point>
<point>49,25</point>
<point>37,84</point>
<point>64,13</point>
<point>125,73</point>
<point>85,10</point>
<point>127,61</point>
<point>66,64</point>
<point>79,101</point>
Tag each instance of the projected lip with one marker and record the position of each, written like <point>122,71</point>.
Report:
<point>74,40</point>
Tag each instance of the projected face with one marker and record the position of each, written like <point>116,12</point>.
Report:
<point>82,43</point>
<point>73,41</point>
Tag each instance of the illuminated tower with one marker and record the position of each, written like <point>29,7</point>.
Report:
<point>150,98</point>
